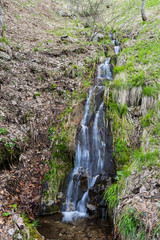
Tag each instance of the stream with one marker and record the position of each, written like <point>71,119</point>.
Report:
<point>84,212</point>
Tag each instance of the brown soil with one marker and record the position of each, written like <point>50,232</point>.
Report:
<point>29,104</point>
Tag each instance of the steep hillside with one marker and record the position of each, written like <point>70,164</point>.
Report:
<point>133,106</point>
<point>43,66</point>
<point>47,65</point>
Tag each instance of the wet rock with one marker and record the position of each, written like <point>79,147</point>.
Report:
<point>96,194</point>
<point>82,177</point>
<point>59,195</point>
<point>48,207</point>
<point>91,208</point>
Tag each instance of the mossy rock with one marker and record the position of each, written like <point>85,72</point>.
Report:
<point>48,208</point>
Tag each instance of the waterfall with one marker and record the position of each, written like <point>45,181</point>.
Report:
<point>104,70</point>
<point>93,151</point>
<point>117,48</point>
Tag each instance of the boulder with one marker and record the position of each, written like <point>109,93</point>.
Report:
<point>82,177</point>
<point>66,38</point>
<point>97,37</point>
<point>48,207</point>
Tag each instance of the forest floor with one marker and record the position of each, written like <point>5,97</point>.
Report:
<point>36,81</point>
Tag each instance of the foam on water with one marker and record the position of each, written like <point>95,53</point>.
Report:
<point>117,49</point>
<point>73,216</point>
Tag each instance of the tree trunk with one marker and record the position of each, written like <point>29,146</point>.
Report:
<point>144,18</point>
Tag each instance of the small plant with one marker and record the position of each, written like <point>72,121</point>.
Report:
<point>30,231</point>
<point>3,39</point>
<point>53,86</point>
<point>147,119</point>
<point>156,230</point>
<point>35,49</point>
<point>111,196</point>
<point>37,94</point>
<point>129,224</point>
<point>3,131</point>
<point>156,129</point>
<point>14,207</point>
<point>6,214</point>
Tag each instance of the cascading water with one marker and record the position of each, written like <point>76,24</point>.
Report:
<point>104,70</point>
<point>117,49</point>
<point>93,151</point>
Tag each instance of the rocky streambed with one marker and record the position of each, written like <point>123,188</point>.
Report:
<point>52,228</point>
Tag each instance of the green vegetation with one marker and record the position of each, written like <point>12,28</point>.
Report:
<point>111,196</point>
<point>4,39</point>
<point>147,119</point>
<point>37,94</point>
<point>36,49</point>
<point>137,66</point>
<point>150,91</point>
<point>130,225</point>
<point>147,159</point>
<point>60,163</point>
<point>3,131</point>
<point>29,232</point>
<point>6,214</point>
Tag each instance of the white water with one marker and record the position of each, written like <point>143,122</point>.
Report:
<point>117,49</point>
<point>104,70</point>
<point>85,162</point>
<point>90,159</point>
